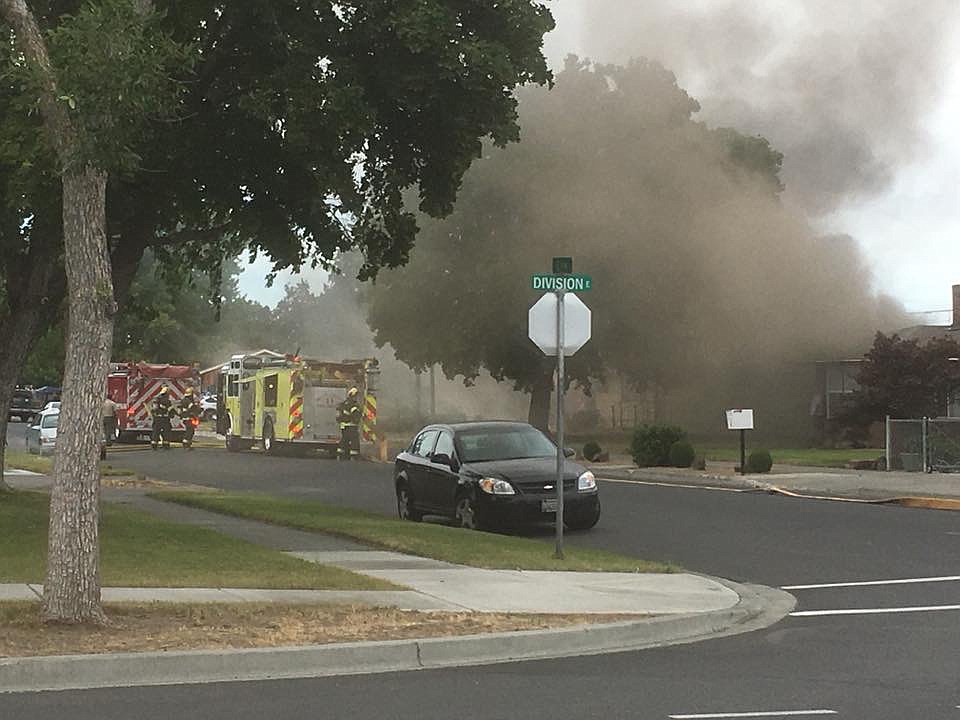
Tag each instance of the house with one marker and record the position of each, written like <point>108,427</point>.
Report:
<point>837,379</point>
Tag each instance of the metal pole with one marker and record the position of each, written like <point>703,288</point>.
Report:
<point>886,446</point>
<point>560,456</point>
<point>743,452</point>
<point>923,444</point>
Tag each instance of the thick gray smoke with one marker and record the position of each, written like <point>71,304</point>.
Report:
<point>841,89</point>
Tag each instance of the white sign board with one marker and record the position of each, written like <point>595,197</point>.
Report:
<point>739,419</point>
<point>543,324</point>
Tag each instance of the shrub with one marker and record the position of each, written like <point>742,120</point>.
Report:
<point>650,445</point>
<point>759,461</point>
<point>681,454</point>
<point>591,450</point>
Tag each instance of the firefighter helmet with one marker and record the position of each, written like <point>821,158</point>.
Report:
<point>352,392</point>
<point>188,391</point>
<point>164,390</point>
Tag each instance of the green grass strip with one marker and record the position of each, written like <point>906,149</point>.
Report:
<point>43,464</point>
<point>140,550</point>
<point>441,542</point>
<point>812,457</point>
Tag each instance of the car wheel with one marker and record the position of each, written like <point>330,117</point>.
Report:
<point>405,506</point>
<point>583,520</point>
<point>466,513</point>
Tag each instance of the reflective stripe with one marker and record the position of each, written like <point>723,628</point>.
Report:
<point>295,425</point>
<point>369,418</point>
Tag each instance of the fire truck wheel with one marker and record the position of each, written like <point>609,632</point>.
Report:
<point>269,439</point>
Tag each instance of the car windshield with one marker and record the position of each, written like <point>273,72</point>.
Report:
<point>50,421</point>
<point>513,443</point>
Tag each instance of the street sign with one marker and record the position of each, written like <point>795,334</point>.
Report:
<point>542,320</point>
<point>565,283</point>
<point>562,265</point>
<point>740,419</point>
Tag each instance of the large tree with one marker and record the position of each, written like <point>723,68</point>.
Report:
<point>705,285</point>
<point>296,128</point>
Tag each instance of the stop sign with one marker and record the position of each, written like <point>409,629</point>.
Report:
<point>543,323</point>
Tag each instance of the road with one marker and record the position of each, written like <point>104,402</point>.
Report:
<point>853,651</point>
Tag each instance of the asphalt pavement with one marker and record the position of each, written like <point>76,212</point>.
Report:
<point>873,635</point>
<point>669,608</point>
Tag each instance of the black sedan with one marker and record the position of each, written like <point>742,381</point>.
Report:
<point>491,474</point>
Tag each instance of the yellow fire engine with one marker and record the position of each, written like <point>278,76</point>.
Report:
<point>291,401</point>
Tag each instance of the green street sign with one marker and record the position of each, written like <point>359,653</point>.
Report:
<point>566,283</point>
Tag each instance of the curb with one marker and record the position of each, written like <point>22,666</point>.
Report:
<point>759,607</point>
<point>927,503</point>
<point>722,482</point>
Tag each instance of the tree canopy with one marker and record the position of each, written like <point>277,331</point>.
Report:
<point>701,276</point>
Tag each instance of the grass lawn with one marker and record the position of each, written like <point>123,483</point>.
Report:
<point>814,457</point>
<point>478,549</point>
<point>22,460</point>
<point>139,550</point>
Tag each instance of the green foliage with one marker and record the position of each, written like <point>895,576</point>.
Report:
<point>118,72</point>
<point>44,364</point>
<point>759,461</point>
<point>650,444</point>
<point>681,454</point>
<point>591,450</point>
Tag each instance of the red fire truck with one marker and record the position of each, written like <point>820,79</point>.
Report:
<point>133,386</point>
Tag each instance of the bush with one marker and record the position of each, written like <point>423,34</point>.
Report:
<point>681,454</point>
<point>650,445</point>
<point>591,450</point>
<point>759,461</point>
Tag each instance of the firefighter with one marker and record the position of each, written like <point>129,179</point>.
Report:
<point>349,415</point>
<point>161,410</point>
<point>190,411</point>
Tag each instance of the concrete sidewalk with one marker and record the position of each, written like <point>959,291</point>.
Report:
<point>942,490</point>
<point>670,608</point>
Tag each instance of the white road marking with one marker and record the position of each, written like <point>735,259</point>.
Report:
<point>874,611</point>
<point>774,713</point>
<point>867,583</point>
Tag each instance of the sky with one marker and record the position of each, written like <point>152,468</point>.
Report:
<point>862,97</point>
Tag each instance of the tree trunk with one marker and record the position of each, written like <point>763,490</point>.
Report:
<point>72,587</point>
<point>539,415</point>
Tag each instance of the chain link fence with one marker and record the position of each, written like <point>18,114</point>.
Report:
<point>923,445</point>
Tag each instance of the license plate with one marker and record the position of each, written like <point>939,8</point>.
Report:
<point>548,505</point>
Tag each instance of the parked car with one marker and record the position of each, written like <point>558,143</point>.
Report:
<point>491,474</point>
<point>42,435</point>
<point>23,405</point>
<point>208,407</point>
<point>52,405</point>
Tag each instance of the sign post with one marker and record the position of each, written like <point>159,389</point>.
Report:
<point>561,459</point>
<point>559,323</point>
<point>741,420</point>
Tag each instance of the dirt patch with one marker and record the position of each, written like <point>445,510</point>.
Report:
<point>141,481</point>
<point>158,627</point>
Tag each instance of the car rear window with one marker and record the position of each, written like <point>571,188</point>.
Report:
<point>50,421</point>
<point>481,445</point>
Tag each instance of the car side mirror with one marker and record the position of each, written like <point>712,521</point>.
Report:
<point>569,452</point>
<point>444,459</point>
